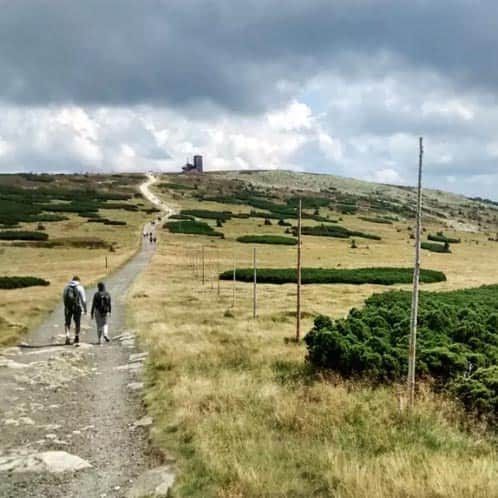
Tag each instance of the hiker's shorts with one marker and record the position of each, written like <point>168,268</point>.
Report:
<point>75,315</point>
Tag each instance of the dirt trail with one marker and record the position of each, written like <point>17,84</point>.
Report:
<point>82,401</point>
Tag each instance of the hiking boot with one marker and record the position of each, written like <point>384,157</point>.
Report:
<point>107,339</point>
<point>76,340</point>
<point>68,342</point>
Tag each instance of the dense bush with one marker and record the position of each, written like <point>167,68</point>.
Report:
<point>192,227</point>
<point>380,276</point>
<point>380,220</point>
<point>106,221</point>
<point>174,186</point>
<point>457,342</point>
<point>435,247</point>
<point>22,235</point>
<point>21,282</point>
<point>267,239</point>
<point>207,214</point>
<point>181,217</point>
<point>336,231</point>
<point>440,237</point>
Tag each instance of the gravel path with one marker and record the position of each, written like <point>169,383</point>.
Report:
<point>71,419</point>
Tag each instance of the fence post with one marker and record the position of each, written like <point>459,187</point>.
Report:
<point>298,302</point>
<point>416,278</point>
<point>106,262</point>
<point>233,297</point>
<point>203,266</point>
<point>218,271</point>
<point>254,284</point>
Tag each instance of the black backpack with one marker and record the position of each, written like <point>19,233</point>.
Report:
<point>71,298</point>
<point>103,302</point>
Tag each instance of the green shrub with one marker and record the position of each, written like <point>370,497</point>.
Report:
<point>192,227</point>
<point>457,343</point>
<point>181,217</point>
<point>380,220</point>
<point>174,186</point>
<point>207,214</point>
<point>380,276</point>
<point>21,282</point>
<point>267,239</point>
<point>22,235</point>
<point>434,247</point>
<point>336,231</point>
<point>440,237</point>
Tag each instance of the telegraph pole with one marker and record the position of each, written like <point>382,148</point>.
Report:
<point>254,283</point>
<point>416,278</point>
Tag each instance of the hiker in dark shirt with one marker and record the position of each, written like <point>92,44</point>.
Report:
<point>101,308</point>
<point>74,303</point>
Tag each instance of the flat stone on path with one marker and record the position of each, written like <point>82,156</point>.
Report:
<point>53,462</point>
<point>154,483</point>
<point>135,386</point>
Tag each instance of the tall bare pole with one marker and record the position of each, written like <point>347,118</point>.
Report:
<point>416,278</point>
<point>298,303</point>
<point>254,283</point>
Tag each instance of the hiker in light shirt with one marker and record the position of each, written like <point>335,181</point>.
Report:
<point>74,304</point>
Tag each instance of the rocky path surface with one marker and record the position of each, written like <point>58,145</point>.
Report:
<point>71,419</point>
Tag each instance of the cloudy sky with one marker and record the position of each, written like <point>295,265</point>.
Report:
<point>331,86</point>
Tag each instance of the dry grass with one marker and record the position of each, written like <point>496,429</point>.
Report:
<point>236,405</point>
<point>22,309</point>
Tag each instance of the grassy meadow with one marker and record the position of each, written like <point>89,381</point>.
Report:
<point>236,405</point>
<point>22,309</point>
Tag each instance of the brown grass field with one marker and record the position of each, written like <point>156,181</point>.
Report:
<point>235,404</point>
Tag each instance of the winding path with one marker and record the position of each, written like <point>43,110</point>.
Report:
<point>71,419</point>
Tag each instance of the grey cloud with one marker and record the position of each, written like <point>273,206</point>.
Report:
<point>182,52</point>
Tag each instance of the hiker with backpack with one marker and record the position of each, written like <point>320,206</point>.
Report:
<point>101,307</point>
<point>74,304</point>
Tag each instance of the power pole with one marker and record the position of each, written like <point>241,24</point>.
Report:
<point>298,303</point>
<point>416,279</point>
<point>218,271</point>
<point>254,283</point>
<point>233,297</point>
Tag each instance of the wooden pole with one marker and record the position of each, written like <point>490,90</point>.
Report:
<point>298,303</point>
<point>106,262</point>
<point>416,278</point>
<point>218,271</point>
<point>254,283</point>
<point>203,266</point>
<point>233,297</point>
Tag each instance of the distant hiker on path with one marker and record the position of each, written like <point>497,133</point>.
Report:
<point>74,303</point>
<point>101,307</point>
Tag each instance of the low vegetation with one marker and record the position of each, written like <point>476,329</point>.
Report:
<point>337,231</point>
<point>440,237</point>
<point>21,282</point>
<point>22,235</point>
<point>379,276</point>
<point>206,213</point>
<point>267,239</point>
<point>457,344</point>
<point>192,227</point>
<point>435,247</point>
<point>378,219</point>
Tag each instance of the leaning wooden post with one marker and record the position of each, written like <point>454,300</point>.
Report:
<point>254,283</point>
<point>106,262</point>
<point>416,278</point>
<point>298,303</point>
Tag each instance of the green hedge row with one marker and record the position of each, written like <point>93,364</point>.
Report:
<point>207,214</point>
<point>335,231</point>
<point>380,220</point>
<point>22,235</point>
<point>192,227</point>
<point>435,247</point>
<point>267,239</point>
<point>440,237</point>
<point>106,221</point>
<point>21,282</point>
<point>457,342</point>
<point>380,276</point>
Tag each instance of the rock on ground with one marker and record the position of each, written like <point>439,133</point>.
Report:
<point>154,483</point>
<point>54,462</point>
